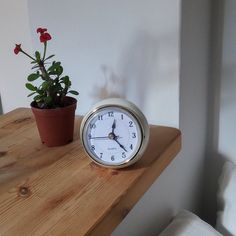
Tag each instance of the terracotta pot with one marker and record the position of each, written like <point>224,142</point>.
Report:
<point>56,126</point>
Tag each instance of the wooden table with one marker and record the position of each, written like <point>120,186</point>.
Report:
<point>59,191</point>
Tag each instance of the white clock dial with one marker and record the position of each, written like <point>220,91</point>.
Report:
<point>113,136</point>
<point>114,133</point>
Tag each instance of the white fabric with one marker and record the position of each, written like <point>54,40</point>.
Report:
<point>226,217</point>
<point>188,224</point>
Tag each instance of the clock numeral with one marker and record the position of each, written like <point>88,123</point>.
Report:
<point>112,158</point>
<point>92,126</point>
<point>111,114</point>
<point>123,154</point>
<point>89,136</point>
<point>101,154</point>
<point>131,146</point>
<point>100,117</point>
<point>131,124</point>
<point>122,117</point>
<point>92,147</point>
<point>133,135</point>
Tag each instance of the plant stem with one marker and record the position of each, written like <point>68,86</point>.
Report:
<point>28,55</point>
<point>43,70</point>
<point>45,48</point>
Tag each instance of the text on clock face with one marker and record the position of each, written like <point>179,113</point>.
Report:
<point>113,135</point>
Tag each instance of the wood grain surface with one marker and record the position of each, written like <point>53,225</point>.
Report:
<point>59,191</point>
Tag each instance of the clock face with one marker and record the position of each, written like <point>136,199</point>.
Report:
<point>112,136</point>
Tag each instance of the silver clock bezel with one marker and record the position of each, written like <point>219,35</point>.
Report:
<point>86,143</point>
<point>128,107</point>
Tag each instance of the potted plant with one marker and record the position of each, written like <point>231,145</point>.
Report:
<point>54,111</point>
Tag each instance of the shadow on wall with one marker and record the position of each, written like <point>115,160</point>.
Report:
<point>136,71</point>
<point>227,109</point>
<point>146,74</point>
<point>228,95</point>
<point>137,66</point>
<point>222,112</point>
<point>112,86</point>
<point>214,165</point>
<point>223,148</point>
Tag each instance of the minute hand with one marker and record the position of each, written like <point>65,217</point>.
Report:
<point>115,139</point>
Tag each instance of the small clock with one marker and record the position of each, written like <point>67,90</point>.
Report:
<point>114,133</point>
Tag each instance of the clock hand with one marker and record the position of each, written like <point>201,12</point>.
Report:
<point>99,137</point>
<point>113,126</point>
<point>105,137</point>
<point>115,139</point>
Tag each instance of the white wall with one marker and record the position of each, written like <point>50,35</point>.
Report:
<point>117,48</point>
<point>222,128</point>
<point>131,49</point>
<point>227,125</point>
<point>14,24</point>
<point>181,184</point>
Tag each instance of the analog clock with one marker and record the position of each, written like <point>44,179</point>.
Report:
<point>114,133</point>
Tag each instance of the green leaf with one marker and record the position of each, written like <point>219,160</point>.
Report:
<point>30,87</point>
<point>48,99</point>
<point>56,86</point>
<point>49,57</point>
<point>45,85</point>
<point>73,92</point>
<point>40,91</point>
<point>37,97</point>
<point>59,70</point>
<point>37,55</point>
<point>34,67</point>
<point>33,77</point>
<point>31,94</point>
<point>54,66</point>
<point>52,73</point>
<point>64,78</point>
<point>66,81</point>
<point>55,69</point>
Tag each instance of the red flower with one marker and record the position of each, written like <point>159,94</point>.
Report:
<point>17,49</point>
<point>44,37</point>
<point>41,30</point>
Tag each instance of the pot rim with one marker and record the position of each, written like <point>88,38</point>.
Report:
<point>73,101</point>
<point>55,111</point>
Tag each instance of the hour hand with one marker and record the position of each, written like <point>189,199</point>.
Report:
<point>113,126</point>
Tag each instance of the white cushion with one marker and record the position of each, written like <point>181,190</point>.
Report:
<point>188,224</point>
<point>226,216</point>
